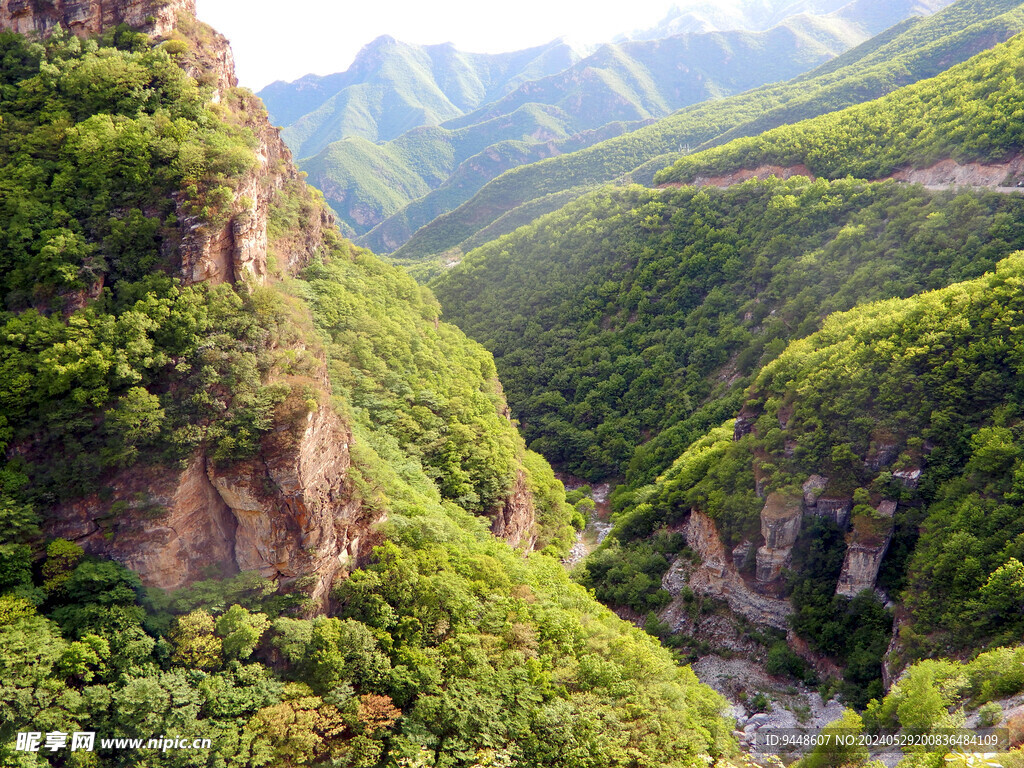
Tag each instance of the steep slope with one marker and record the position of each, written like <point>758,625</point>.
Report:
<point>201,378</point>
<point>912,51</point>
<point>882,451</point>
<point>579,106</point>
<point>968,114</point>
<point>393,87</point>
<point>436,167</point>
<point>629,322</point>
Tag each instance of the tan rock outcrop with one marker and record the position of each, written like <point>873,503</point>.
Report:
<point>169,526</point>
<point>91,17</point>
<point>516,521</point>
<point>288,513</point>
<point>238,249</point>
<point>716,576</point>
<point>866,546</point>
<point>780,526</point>
<point>295,510</point>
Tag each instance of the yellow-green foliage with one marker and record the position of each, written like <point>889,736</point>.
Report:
<point>449,645</point>
<point>970,113</point>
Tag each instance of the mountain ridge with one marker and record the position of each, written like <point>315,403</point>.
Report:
<point>913,51</point>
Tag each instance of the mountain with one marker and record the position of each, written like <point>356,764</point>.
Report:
<point>616,88</point>
<point>964,115</point>
<point>393,87</point>
<point>808,388</point>
<point>759,16</point>
<point>627,323</point>
<point>916,49</point>
<point>878,453</point>
<point>256,499</point>
<point>428,171</point>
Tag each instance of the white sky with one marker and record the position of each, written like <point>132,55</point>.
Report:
<point>283,40</point>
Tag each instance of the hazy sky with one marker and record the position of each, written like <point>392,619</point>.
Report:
<point>275,40</point>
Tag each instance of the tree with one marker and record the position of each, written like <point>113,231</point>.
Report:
<point>195,645</point>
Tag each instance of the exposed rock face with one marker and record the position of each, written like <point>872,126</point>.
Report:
<point>91,17</point>
<point>909,478</point>
<point>865,549</point>
<point>295,511</point>
<point>835,509</point>
<point>813,488</point>
<point>238,250</point>
<point>516,521</point>
<point>882,455</point>
<point>740,553</point>
<point>169,526</point>
<point>716,576</point>
<point>780,526</point>
<point>287,513</point>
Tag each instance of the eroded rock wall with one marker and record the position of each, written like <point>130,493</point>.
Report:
<point>716,576</point>
<point>780,526</point>
<point>288,513</point>
<point>516,520</point>
<point>91,17</point>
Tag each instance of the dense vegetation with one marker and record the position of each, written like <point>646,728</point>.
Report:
<point>449,649</point>
<point>970,113</point>
<point>627,324</point>
<point>428,171</point>
<point>911,51</point>
<point>96,140</point>
<point>930,382</point>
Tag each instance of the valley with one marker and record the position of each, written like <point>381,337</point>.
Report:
<point>684,404</point>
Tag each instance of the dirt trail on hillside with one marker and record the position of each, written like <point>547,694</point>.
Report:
<point>946,174</point>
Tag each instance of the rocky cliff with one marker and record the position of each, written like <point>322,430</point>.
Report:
<point>288,513</point>
<point>516,520</point>
<point>91,17</point>
<point>866,546</point>
<point>291,512</point>
<point>780,526</point>
<point>236,249</point>
<point>716,575</point>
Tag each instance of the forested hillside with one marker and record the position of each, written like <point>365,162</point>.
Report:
<point>911,51</point>
<point>810,436</point>
<point>629,322</point>
<point>911,402</point>
<point>320,430</point>
<point>969,114</point>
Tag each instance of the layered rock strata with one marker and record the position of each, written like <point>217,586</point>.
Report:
<point>287,513</point>
<point>780,527</point>
<point>866,546</point>
<point>716,575</point>
<point>91,17</point>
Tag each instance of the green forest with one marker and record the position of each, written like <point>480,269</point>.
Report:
<point>970,113</point>
<point>917,49</point>
<point>449,648</point>
<point>805,397</point>
<point>930,378</point>
<point>628,323</point>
